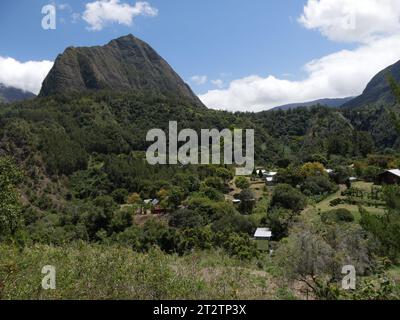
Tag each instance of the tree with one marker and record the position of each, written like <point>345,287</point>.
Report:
<point>279,220</point>
<point>233,223</point>
<point>120,195</point>
<point>285,196</point>
<point>386,228</point>
<point>247,201</point>
<point>396,92</point>
<point>312,169</point>
<point>134,198</point>
<point>185,218</point>
<point>216,183</point>
<point>242,183</point>
<point>224,174</point>
<point>318,185</point>
<point>176,196</point>
<point>10,208</point>
<point>290,175</point>
<point>316,258</point>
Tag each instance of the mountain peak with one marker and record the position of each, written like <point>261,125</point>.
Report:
<point>124,64</point>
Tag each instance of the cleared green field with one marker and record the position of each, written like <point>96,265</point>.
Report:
<point>325,204</point>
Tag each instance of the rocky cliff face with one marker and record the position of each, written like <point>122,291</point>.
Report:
<point>124,64</point>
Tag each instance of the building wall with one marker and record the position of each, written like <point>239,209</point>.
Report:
<point>389,178</point>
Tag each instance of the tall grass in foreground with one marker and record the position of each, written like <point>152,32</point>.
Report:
<point>111,272</point>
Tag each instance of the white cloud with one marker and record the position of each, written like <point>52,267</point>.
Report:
<point>352,20</point>
<point>101,12</point>
<point>74,16</point>
<point>27,76</point>
<point>341,74</point>
<point>218,82</point>
<point>199,80</point>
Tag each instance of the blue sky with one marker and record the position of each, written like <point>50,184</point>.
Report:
<point>224,40</point>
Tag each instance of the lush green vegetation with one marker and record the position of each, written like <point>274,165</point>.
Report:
<point>77,192</point>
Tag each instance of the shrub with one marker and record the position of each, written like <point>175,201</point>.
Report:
<point>285,196</point>
<point>318,185</point>
<point>338,215</point>
<point>242,183</point>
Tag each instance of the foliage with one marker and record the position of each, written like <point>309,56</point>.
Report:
<point>285,196</point>
<point>318,185</point>
<point>10,208</point>
<point>242,183</point>
<point>386,228</point>
<point>247,201</point>
<point>312,169</point>
<point>338,215</point>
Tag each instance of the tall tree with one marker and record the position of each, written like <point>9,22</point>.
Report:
<point>10,208</point>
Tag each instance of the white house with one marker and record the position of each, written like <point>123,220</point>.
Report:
<point>262,237</point>
<point>329,171</point>
<point>270,177</point>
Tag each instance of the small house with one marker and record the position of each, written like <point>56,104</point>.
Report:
<point>261,172</point>
<point>389,177</point>
<point>329,171</point>
<point>270,177</point>
<point>262,236</point>
<point>236,201</point>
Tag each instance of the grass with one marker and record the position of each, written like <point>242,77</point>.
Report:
<point>324,205</point>
<point>111,272</point>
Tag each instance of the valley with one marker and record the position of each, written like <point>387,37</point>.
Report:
<point>78,193</point>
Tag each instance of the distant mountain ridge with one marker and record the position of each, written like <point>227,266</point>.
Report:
<point>11,94</point>
<point>332,103</point>
<point>124,64</point>
<point>378,91</point>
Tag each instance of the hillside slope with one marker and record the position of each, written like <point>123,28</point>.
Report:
<point>378,91</point>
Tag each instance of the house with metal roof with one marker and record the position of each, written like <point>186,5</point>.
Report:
<point>389,177</point>
<point>262,236</point>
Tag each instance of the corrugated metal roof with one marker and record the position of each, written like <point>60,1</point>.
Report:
<point>263,233</point>
<point>396,172</point>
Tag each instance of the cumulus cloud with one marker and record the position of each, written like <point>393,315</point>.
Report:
<point>199,80</point>
<point>27,76</point>
<point>352,20</point>
<point>101,12</point>
<point>341,74</point>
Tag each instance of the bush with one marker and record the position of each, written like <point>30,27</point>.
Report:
<point>242,183</point>
<point>338,215</point>
<point>120,195</point>
<point>318,185</point>
<point>247,203</point>
<point>233,223</point>
<point>185,218</point>
<point>285,196</point>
